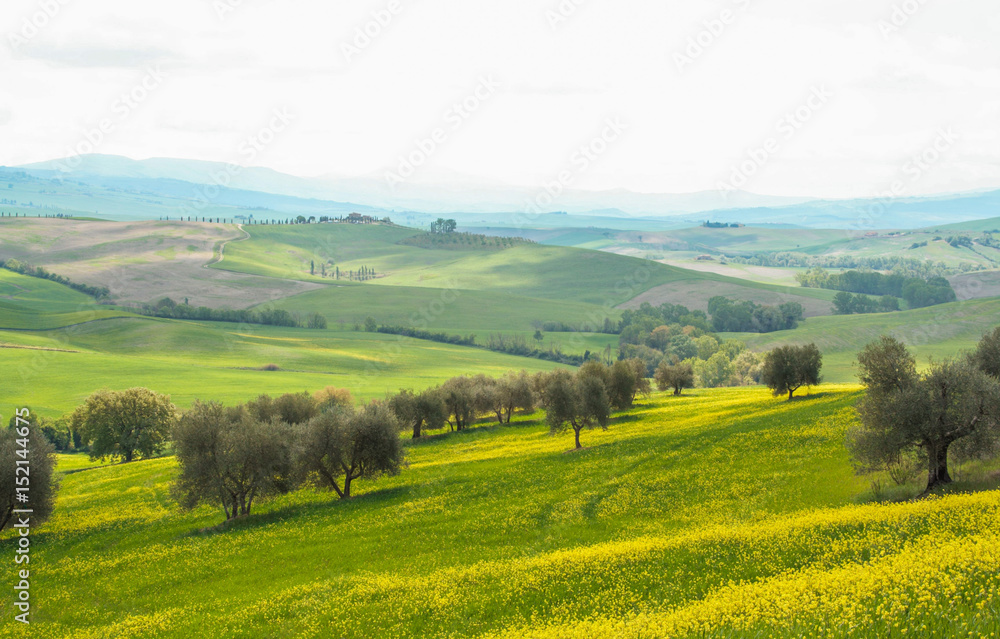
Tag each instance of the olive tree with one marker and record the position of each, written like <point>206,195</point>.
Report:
<point>231,458</point>
<point>459,396</point>
<point>626,380</point>
<point>291,408</point>
<point>486,396</point>
<point>419,411</point>
<point>675,376</point>
<point>576,401</point>
<point>341,445</point>
<point>987,355</point>
<point>332,396</point>
<point>516,392</point>
<point>905,413</point>
<point>789,368</point>
<point>31,479</point>
<point>125,424</point>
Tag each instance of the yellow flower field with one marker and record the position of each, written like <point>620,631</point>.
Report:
<point>723,513</point>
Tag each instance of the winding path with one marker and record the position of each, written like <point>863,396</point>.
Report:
<point>222,246</point>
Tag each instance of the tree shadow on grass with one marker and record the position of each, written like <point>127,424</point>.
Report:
<point>288,512</point>
<point>811,396</point>
<point>472,430</point>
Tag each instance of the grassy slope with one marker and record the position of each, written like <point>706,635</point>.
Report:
<point>286,251</point>
<point>33,303</point>
<point>976,226</point>
<point>725,510</point>
<point>749,240</point>
<point>450,310</point>
<point>212,360</point>
<point>534,271</point>
<point>934,332</point>
<point>681,247</point>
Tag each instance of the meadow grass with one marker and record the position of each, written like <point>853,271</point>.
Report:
<point>35,303</point>
<point>545,272</point>
<point>720,513</point>
<point>217,360</point>
<point>440,309</point>
<point>932,333</point>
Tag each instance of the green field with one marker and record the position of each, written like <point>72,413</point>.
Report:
<point>746,241</point>
<point>214,360</point>
<point>552,273</point>
<point>934,332</point>
<point>722,513</point>
<point>33,303</point>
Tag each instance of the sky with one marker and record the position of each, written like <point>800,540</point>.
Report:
<point>827,98</point>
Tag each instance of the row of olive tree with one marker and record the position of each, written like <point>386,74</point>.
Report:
<point>462,400</point>
<point>908,417</point>
<point>234,456</point>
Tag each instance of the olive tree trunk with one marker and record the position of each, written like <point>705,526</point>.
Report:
<point>937,464</point>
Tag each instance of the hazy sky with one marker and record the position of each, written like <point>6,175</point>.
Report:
<point>698,94</point>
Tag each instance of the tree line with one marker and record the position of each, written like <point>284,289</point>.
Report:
<point>907,266</point>
<point>451,239</point>
<point>845,303</point>
<point>917,292</point>
<point>687,341</point>
<point>168,308</point>
<point>97,292</point>
<point>235,456</point>
<point>784,369</point>
<point>497,342</point>
<point>745,316</point>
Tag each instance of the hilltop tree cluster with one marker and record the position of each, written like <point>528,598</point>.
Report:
<point>460,241</point>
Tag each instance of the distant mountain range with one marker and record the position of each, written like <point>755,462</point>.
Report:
<point>475,203</point>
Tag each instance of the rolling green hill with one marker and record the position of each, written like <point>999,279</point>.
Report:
<point>541,272</point>
<point>721,513</point>
<point>682,247</point>
<point>34,303</point>
<point>213,360</point>
<point>933,332</point>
